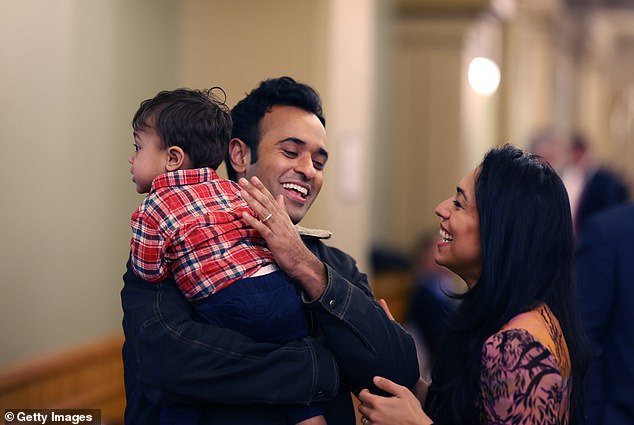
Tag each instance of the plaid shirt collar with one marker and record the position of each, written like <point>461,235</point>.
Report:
<point>184,177</point>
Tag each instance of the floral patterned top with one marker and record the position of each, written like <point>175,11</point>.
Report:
<point>522,382</point>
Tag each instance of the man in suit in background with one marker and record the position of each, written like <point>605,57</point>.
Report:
<point>600,187</point>
<point>605,272</point>
<point>591,186</point>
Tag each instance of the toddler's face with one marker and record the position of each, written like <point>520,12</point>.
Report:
<point>148,160</point>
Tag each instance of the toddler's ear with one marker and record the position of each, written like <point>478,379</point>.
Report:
<point>176,158</point>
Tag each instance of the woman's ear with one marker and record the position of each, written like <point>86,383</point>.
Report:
<point>176,159</point>
<point>239,155</point>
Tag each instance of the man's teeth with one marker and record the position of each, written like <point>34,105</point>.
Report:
<point>291,186</point>
<point>446,237</point>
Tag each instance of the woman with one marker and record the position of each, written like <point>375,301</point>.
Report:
<point>515,352</point>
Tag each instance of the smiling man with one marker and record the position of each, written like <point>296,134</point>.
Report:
<point>279,145</point>
<point>287,152</point>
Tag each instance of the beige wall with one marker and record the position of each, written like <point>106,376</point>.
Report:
<point>440,127</point>
<point>605,107</point>
<point>425,156</point>
<point>72,74</point>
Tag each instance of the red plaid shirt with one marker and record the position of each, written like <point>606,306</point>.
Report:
<point>190,226</point>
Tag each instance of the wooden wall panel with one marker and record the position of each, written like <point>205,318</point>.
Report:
<point>86,377</point>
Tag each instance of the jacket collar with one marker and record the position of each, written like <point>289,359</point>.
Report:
<point>315,233</point>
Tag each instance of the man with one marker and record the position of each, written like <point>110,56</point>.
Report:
<point>605,273</point>
<point>598,188</point>
<point>279,136</point>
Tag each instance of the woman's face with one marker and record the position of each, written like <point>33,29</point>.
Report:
<point>459,246</point>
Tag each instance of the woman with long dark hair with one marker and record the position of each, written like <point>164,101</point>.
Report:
<point>515,352</point>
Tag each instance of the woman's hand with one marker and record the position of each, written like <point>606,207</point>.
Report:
<point>386,309</point>
<point>403,408</point>
<point>420,391</point>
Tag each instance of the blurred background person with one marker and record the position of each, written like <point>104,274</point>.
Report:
<point>553,146</point>
<point>591,187</point>
<point>605,275</point>
<point>430,304</point>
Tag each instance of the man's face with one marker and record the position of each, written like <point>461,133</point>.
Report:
<point>291,157</point>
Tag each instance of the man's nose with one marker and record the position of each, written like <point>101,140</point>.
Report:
<point>305,166</point>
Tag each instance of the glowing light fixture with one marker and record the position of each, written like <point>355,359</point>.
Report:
<point>483,76</point>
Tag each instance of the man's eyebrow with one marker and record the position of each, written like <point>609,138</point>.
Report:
<point>298,141</point>
<point>461,191</point>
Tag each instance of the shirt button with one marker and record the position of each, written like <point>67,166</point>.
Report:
<point>332,303</point>
<point>320,393</point>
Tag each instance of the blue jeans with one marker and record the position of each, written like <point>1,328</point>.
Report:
<point>266,309</point>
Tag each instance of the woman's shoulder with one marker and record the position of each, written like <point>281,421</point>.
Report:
<point>520,378</point>
<point>542,326</point>
<point>538,322</point>
<point>512,345</point>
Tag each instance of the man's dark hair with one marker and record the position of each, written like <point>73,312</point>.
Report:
<point>197,121</point>
<point>247,113</point>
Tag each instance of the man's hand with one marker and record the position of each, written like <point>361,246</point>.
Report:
<point>275,226</point>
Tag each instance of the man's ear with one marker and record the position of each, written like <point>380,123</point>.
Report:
<point>239,155</point>
<point>176,158</point>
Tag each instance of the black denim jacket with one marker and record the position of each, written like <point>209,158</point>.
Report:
<point>170,359</point>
